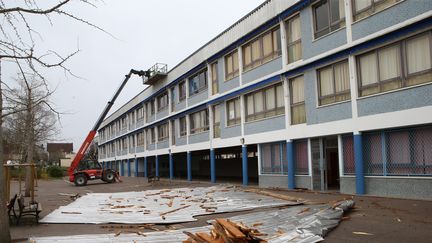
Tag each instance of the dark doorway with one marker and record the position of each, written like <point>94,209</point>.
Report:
<point>200,165</point>
<point>151,166</point>
<point>332,163</point>
<point>180,165</point>
<point>164,166</point>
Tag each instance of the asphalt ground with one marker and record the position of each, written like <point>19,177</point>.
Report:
<point>374,219</point>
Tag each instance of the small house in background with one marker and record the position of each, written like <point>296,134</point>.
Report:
<point>60,154</point>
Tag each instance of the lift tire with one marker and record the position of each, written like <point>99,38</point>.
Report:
<point>109,176</point>
<point>80,180</point>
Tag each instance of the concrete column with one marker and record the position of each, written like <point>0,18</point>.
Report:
<point>145,166</point>
<point>291,164</point>
<point>129,167</point>
<point>212,166</point>
<point>171,166</point>
<point>358,159</point>
<point>121,168</point>
<point>189,166</point>
<point>157,165</point>
<point>136,167</point>
<point>245,165</point>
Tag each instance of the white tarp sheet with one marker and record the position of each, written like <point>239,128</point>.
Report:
<point>159,206</point>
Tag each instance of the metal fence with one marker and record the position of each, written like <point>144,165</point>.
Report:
<point>403,152</point>
<point>273,158</point>
<point>348,154</point>
<point>301,157</point>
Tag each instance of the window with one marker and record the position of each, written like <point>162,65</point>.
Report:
<point>294,39</point>
<point>163,132</point>
<point>216,121</point>
<point>214,78</point>
<point>364,8</point>
<point>301,157</point>
<point>297,92</point>
<point>199,122</point>
<point>274,158</point>
<point>231,65</point>
<point>162,101</point>
<point>183,126</point>
<point>329,15</point>
<point>172,100</point>
<point>398,152</point>
<point>153,136</point>
<point>333,83</point>
<point>140,114</point>
<point>402,64</point>
<point>140,139</point>
<point>131,118</point>
<point>198,82</point>
<point>149,137</point>
<point>124,143</point>
<point>182,91</point>
<point>123,123</point>
<point>132,141</point>
<point>173,132</point>
<point>261,50</point>
<point>264,103</point>
<point>233,111</point>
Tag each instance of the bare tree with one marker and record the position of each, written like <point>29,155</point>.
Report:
<point>34,121</point>
<point>17,43</point>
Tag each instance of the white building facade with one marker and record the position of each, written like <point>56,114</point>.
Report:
<point>322,95</point>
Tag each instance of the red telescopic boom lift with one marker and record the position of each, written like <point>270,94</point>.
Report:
<point>80,170</point>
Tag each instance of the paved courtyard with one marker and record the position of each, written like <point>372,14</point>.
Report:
<point>374,219</point>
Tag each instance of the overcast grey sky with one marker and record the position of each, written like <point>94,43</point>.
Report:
<point>147,31</point>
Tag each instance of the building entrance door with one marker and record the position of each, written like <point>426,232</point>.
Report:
<point>325,163</point>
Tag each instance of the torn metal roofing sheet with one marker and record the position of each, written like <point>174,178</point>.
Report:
<point>160,206</point>
<point>300,224</point>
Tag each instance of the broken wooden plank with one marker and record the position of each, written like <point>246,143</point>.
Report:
<point>174,210</point>
<point>231,228</point>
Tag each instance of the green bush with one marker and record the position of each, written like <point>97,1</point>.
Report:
<point>55,171</point>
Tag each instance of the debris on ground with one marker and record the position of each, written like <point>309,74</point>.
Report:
<point>164,206</point>
<point>306,224</point>
<point>225,230</point>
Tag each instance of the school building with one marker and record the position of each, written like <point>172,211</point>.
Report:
<point>323,95</point>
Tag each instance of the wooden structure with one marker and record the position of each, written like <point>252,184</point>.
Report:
<point>8,178</point>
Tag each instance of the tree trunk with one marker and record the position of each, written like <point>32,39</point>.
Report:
<point>29,142</point>
<point>4,218</point>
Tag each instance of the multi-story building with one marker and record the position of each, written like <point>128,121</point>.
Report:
<point>323,95</point>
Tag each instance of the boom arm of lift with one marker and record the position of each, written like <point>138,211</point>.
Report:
<point>92,133</point>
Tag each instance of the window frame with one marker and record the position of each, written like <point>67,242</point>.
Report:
<point>332,26</point>
<point>288,31</point>
<point>404,77</point>
<point>262,59</point>
<point>199,89</point>
<point>162,101</point>
<point>356,14</point>
<point>265,113</point>
<point>164,129</point>
<point>182,90</point>
<point>235,72</point>
<point>216,125</point>
<point>237,120</point>
<point>214,77</point>
<point>334,94</point>
<point>182,133</point>
<point>204,122</point>
<point>292,104</point>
